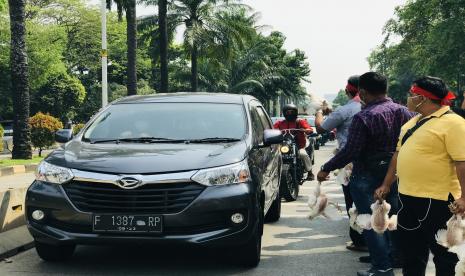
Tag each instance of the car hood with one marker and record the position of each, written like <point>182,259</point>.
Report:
<point>126,158</point>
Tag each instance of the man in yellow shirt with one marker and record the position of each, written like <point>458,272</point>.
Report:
<point>430,165</point>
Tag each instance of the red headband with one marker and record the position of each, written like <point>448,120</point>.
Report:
<point>420,91</point>
<point>352,89</point>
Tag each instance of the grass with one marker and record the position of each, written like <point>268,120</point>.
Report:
<point>10,162</point>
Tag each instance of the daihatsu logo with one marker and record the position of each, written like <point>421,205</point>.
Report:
<point>129,183</point>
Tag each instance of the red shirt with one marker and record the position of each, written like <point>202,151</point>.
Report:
<point>301,137</point>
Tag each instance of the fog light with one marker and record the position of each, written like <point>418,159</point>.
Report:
<point>237,218</point>
<point>38,215</point>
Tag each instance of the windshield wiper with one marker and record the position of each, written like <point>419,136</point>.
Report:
<point>215,140</point>
<point>139,140</point>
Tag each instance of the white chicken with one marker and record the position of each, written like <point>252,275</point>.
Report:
<point>318,203</point>
<point>343,175</point>
<point>454,234</point>
<point>354,219</point>
<point>460,251</point>
<point>379,220</point>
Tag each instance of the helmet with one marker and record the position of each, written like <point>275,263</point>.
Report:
<point>290,112</point>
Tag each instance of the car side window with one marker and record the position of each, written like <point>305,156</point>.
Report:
<point>257,125</point>
<point>264,118</point>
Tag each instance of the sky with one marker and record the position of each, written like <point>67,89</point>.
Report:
<point>336,35</point>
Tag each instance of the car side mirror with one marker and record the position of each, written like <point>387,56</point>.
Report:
<point>272,137</point>
<point>64,135</point>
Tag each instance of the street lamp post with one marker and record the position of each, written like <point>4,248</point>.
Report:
<point>104,53</point>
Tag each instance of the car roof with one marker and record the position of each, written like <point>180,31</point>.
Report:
<point>187,97</point>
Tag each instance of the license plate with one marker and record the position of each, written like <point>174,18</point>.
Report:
<point>127,223</point>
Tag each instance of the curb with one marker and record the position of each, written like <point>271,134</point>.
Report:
<point>18,169</point>
<point>14,235</point>
<point>15,241</point>
<point>12,209</point>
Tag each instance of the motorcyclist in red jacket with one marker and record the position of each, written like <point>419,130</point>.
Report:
<point>290,112</point>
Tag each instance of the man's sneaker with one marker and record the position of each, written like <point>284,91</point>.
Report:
<point>396,262</point>
<point>376,272</point>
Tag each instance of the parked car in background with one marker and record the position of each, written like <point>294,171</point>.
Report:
<point>7,134</point>
<point>140,172</point>
<point>7,127</point>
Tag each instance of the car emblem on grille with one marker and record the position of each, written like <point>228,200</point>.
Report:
<point>129,183</point>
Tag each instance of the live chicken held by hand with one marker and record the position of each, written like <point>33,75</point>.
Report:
<point>454,234</point>
<point>320,205</point>
<point>379,220</point>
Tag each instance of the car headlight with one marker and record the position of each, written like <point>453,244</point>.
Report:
<point>54,174</point>
<point>231,174</point>
<point>285,149</point>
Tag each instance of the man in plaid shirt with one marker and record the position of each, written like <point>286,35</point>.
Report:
<point>372,140</point>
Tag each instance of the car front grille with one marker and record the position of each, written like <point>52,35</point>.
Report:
<point>150,198</point>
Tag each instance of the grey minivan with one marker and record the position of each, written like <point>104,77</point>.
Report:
<point>189,168</point>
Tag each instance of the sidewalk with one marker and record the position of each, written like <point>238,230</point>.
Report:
<point>14,236</point>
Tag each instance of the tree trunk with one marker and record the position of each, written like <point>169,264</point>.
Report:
<point>19,80</point>
<point>131,26</point>
<point>194,70</point>
<point>162,17</point>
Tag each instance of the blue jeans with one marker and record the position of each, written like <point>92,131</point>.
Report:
<point>362,188</point>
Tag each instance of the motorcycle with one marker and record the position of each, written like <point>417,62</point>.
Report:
<point>293,173</point>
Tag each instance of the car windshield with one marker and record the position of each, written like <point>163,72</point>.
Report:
<point>169,121</point>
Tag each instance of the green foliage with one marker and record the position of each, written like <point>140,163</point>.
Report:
<point>43,128</point>
<point>2,131</point>
<point>2,5</point>
<point>432,43</point>
<point>77,128</point>
<point>63,43</point>
<point>60,96</point>
<point>341,99</point>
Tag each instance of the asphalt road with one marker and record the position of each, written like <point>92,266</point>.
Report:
<point>292,246</point>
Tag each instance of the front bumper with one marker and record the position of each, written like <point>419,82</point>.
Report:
<point>205,221</point>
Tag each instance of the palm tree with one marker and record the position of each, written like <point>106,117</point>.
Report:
<point>195,14</point>
<point>19,79</point>
<point>129,7</point>
<point>163,27</point>
<point>151,33</point>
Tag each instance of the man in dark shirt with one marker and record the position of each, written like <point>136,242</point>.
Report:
<point>372,139</point>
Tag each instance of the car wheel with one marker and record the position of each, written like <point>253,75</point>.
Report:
<point>290,188</point>
<point>54,253</point>
<point>274,213</point>
<point>250,253</point>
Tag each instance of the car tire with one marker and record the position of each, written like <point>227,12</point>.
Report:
<point>54,253</point>
<point>249,254</point>
<point>274,213</point>
<point>289,190</point>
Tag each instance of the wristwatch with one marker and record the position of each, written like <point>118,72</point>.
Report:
<point>322,168</point>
